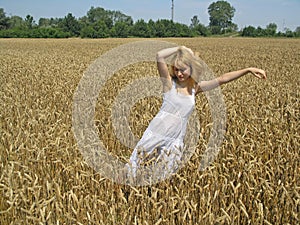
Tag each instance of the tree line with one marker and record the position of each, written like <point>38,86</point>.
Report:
<point>101,23</point>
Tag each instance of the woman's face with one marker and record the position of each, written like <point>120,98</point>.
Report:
<point>182,73</point>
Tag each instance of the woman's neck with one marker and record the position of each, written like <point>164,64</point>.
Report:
<point>184,87</point>
<point>182,84</point>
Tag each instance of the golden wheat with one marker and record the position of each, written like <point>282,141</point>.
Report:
<point>44,179</point>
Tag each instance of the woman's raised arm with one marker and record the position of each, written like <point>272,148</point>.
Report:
<point>161,64</point>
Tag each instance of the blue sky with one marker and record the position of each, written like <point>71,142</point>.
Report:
<point>248,12</point>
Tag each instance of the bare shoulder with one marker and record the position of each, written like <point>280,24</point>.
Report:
<point>167,83</point>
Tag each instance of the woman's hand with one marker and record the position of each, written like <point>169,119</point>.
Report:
<point>188,49</point>
<point>259,73</point>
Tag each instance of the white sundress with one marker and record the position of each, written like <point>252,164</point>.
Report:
<point>163,138</point>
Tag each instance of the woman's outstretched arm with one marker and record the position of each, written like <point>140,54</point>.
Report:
<point>228,77</point>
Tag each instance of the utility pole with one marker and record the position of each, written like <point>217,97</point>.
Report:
<point>283,25</point>
<point>172,12</point>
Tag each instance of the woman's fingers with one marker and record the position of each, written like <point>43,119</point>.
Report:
<point>259,73</point>
<point>188,49</point>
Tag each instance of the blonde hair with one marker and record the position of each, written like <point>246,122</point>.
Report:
<point>182,58</point>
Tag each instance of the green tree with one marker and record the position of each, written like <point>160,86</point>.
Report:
<point>3,20</point>
<point>182,30</point>
<point>54,22</point>
<point>220,16</point>
<point>96,30</point>
<point>201,30</point>
<point>297,32</point>
<point>108,16</point>
<point>83,21</point>
<point>151,28</point>
<point>121,30</point>
<point>29,22</point>
<point>194,22</point>
<point>171,30</point>
<point>88,32</point>
<point>101,30</point>
<point>249,31</point>
<point>260,32</point>
<point>197,28</point>
<point>97,14</point>
<point>159,29</point>
<point>15,22</point>
<point>70,24</point>
<point>118,16</point>
<point>271,29</point>
<point>289,33</point>
<point>140,29</point>
<point>232,27</point>
<point>44,22</point>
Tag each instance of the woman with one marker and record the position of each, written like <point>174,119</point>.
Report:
<point>163,139</point>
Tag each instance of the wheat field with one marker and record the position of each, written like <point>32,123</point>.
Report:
<point>44,179</point>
